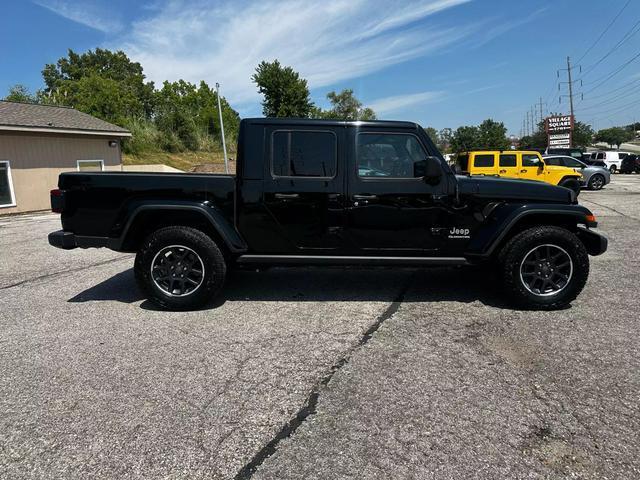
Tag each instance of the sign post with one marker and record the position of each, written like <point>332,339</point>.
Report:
<point>559,130</point>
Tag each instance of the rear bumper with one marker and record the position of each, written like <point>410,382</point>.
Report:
<point>69,240</point>
<point>595,243</point>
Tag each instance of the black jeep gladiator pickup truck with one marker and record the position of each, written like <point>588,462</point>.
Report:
<point>311,192</point>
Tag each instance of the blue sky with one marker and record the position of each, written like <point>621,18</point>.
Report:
<point>442,63</point>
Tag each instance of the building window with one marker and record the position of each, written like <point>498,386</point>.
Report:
<point>304,153</point>
<point>7,196</point>
<point>90,165</point>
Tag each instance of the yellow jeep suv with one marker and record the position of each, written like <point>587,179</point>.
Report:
<point>525,165</point>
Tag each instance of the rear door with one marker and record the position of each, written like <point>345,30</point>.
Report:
<point>303,188</point>
<point>508,165</point>
<point>484,164</point>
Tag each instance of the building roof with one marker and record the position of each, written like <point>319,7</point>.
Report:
<point>30,117</point>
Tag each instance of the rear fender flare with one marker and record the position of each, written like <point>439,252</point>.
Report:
<point>229,235</point>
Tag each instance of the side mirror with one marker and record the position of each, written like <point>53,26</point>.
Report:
<point>429,169</point>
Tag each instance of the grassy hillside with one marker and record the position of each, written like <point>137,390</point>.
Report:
<point>185,161</point>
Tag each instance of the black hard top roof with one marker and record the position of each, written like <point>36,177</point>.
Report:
<point>309,121</point>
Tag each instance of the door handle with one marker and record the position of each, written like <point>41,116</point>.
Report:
<point>365,197</point>
<point>287,195</point>
<point>523,171</point>
<point>503,171</point>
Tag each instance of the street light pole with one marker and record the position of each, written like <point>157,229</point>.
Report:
<point>224,144</point>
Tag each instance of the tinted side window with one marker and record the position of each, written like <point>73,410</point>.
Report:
<point>483,161</point>
<point>389,155</point>
<point>507,160</point>
<point>529,160</point>
<point>462,162</point>
<point>555,161</point>
<point>304,154</point>
<point>600,156</point>
<point>572,162</point>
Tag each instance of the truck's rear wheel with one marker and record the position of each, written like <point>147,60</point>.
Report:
<point>571,184</point>
<point>545,267</point>
<point>180,268</point>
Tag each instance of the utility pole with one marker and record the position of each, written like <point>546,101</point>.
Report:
<point>224,145</point>
<point>541,114</point>
<point>534,121</point>
<point>570,86</point>
<point>527,123</point>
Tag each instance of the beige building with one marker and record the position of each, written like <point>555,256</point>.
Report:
<point>38,142</point>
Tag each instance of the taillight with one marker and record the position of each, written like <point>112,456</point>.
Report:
<point>57,200</point>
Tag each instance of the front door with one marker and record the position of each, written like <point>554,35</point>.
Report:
<point>390,208</point>
<point>303,189</point>
<point>531,167</point>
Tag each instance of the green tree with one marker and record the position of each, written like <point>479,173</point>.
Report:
<point>492,135</point>
<point>188,117</point>
<point>444,136</point>
<point>465,138</point>
<point>582,135</point>
<point>536,140</point>
<point>614,136</point>
<point>68,82</point>
<point>344,106</point>
<point>285,93</point>
<point>20,93</point>
<point>433,134</point>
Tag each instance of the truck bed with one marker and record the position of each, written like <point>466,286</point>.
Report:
<point>97,204</point>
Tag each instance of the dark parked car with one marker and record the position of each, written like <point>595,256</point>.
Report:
<point>630,164</point>
<point>319,192</point>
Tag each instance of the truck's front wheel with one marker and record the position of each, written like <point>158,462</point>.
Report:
<point>180,268</point>
<point>545,267</point>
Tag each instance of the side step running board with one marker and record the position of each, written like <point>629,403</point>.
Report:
<point>345,260</point>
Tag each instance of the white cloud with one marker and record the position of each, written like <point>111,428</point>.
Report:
<point>503,26</point>
<point>327,42</point>
<point>383,106</point>
<point>86,13</point>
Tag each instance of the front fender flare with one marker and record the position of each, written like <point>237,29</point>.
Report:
<point>505,218</point>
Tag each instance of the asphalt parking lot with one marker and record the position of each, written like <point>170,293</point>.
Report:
<point>317,373</point>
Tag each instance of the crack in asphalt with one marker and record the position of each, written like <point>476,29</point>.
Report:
<point>71,270</point>
<point>310,405</point>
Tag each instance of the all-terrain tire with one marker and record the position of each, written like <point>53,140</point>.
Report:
<point>203,252</point>
<point>517,250</point>
<point>571,184</point>
<point>596,182</point>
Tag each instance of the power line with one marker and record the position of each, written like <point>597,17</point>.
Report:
<point>605,31</point>
<point>611,100</point>
<point>614,73</point>
<point>619,108</point>
<point>626,37</point>
<point>595,97</point>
